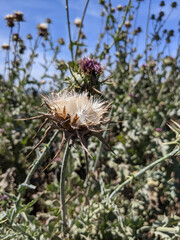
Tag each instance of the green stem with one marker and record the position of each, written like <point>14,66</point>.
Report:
<point>62,187</point>
<point>36,164</point>
<point>101,144</point>
<point>147,30</point>
<point>120,27</point>
<point>69,31</point>
<point>141,172</point>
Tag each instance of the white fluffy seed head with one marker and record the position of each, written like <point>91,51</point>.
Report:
<point>89,111</point>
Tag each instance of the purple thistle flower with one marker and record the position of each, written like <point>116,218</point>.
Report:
<point>4,197</point>
<point>131,95</point>
<point>159,130</point>
<point>2,130</point>
<point>57,159</point>
<point>91,66</point>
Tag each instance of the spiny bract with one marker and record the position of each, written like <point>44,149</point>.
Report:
<point>88,111</point>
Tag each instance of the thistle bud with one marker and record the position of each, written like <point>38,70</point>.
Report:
<point>29,36</point>
<point>162,3</point>
<point>113,10</point>
<point>15,37</point>
<point>82,35</point>
<point>174,4</point>
<point>48,20</point>
<point>61,41</point>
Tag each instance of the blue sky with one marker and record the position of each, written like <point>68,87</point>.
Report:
<point>36,11</point>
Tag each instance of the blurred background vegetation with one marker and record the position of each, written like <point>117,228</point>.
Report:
<point>145,93</point>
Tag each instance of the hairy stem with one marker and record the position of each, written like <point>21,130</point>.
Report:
<point>69,31</point>
<point>120,27</point>
<point>101,144</point>
<point>147,30</point>
<point>141,172</point>
<point>62,187</point>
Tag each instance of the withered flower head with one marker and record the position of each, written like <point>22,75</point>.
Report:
<point>10,20</point>
<point>81,110</point>
<point>119,7</point>
<point>18,16</point>
<point>77,22</point>
<point>42,29</point>
<point>127,24</point>
<point>91,66</point>
<point>77,115</point>
<point>5,46</point>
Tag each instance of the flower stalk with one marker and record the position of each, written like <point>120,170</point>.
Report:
<point>62,187</point>
<point>142,171</point>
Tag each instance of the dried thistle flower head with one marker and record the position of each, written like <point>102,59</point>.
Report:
<point>119,7</point>
<point>82,111</point>
<point>127,24</point>
<point>77,22</point>
<point>42,29</point>
<point>77,115</point>
<point>10,20</point>
<point>113,10</point>
<point>18,16</point>
<point>5,46</point>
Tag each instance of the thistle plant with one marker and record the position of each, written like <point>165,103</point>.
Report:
<point>134,195</point>
<point>78,117</point>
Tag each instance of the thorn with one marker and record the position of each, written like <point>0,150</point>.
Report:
<point>82,143</point>
<point>64,112</point>
<point>31,118</point>
<point>104,142</point>
<point>42,125</point>
<point>42,139</point>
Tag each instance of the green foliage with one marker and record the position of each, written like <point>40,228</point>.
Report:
<point>144,92</point>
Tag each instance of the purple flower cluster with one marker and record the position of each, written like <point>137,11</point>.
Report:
<point>2,130</point>
<point>4,197</point>
<point>159,130</point>
<point>91,66</point>
<point>131,95</point>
